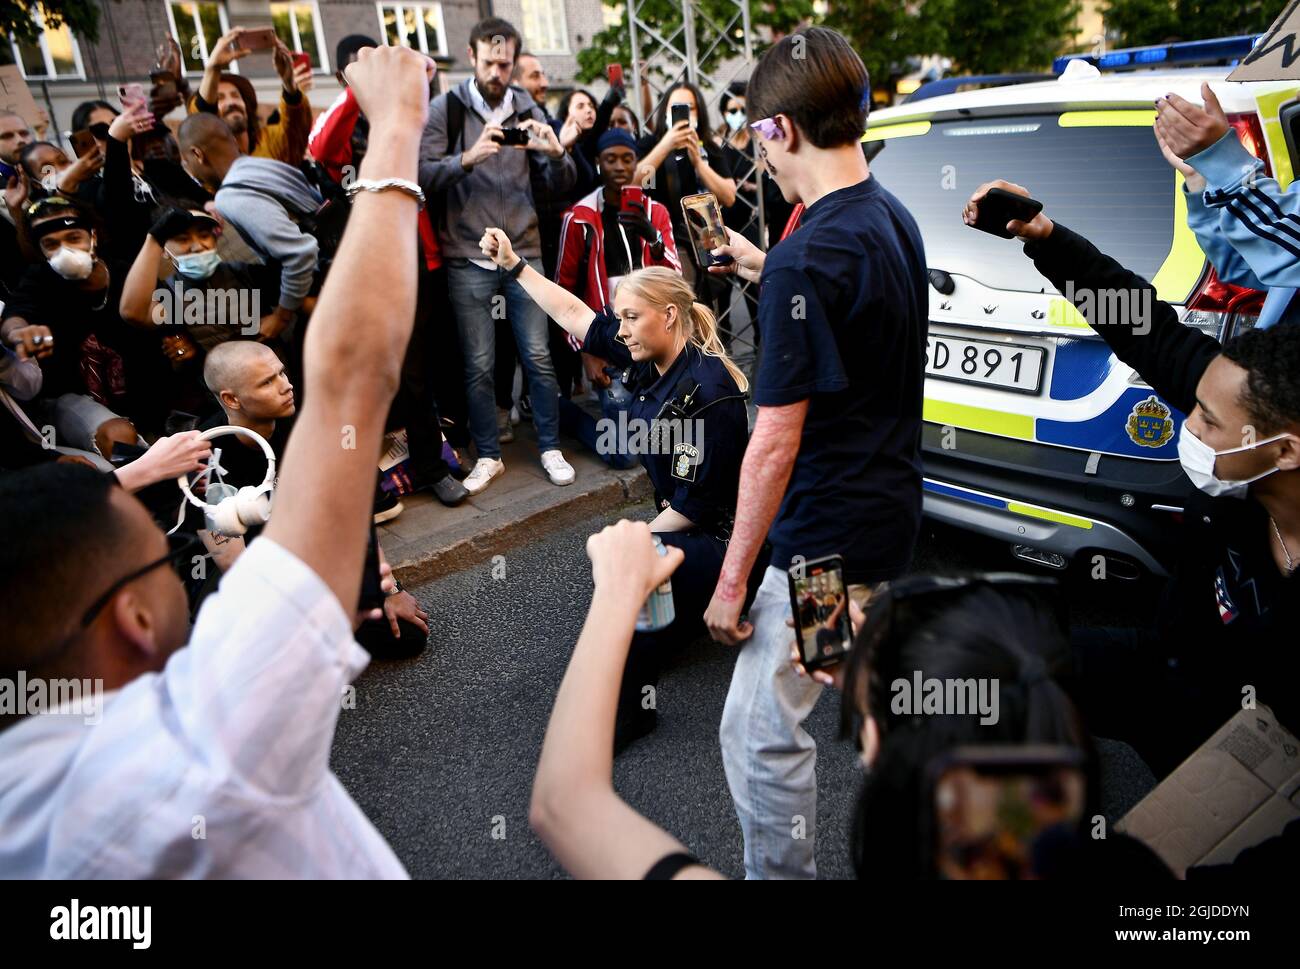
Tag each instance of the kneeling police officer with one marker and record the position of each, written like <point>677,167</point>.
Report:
<point>686,423</point>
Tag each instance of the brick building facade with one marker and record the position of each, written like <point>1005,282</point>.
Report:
<point>66,70</point>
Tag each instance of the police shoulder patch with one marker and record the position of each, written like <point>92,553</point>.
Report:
<point>686,459</point>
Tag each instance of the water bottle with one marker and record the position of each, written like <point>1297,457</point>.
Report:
<point>658,610</point>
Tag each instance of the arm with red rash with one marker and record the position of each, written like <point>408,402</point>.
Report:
<point>769,459</point>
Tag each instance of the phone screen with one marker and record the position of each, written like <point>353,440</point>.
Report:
<point>703,218</point>
<point>820,604</point>
<point>680,112</point>
<point>7,171</point>
<point>615,75</point>
<point>999,813</point>
<point>302,60</point>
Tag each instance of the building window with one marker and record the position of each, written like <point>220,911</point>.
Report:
<point>298,25</point>
<point>545,31</point>
<point>197,27</point>
<point>55,56</point>
<point>414,25</point>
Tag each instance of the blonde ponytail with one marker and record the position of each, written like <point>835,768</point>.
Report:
<point>704,334</point>
<point>664,287</point>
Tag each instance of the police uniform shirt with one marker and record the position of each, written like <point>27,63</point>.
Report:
<point>694,462</point>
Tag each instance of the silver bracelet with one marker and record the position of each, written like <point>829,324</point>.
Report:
<point>383,185</point>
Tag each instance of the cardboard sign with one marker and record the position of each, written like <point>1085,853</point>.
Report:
<point>1239,789</point>
<point>1277,55</point>
<point>15,96</point>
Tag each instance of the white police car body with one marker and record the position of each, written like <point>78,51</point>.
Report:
<point>1035,433</point>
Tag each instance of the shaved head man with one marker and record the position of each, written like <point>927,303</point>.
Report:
<point>250,383</point>
<point>208,149</point>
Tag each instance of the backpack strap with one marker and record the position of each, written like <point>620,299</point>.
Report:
<point>455,121</point>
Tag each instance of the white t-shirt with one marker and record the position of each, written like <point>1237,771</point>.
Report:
<point>217,767</point>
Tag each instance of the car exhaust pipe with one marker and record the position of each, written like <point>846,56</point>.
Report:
<point>1039,556</point>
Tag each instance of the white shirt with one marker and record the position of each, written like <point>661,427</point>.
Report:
<point>231,741</point>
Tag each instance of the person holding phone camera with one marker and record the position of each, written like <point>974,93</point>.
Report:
<point>997,628</point>
<point>1230,611</point>
<point>233,98</point>
<point>681,158</point>
<point>834,465</point>
<point>686,421</point>
<point>474,167</point>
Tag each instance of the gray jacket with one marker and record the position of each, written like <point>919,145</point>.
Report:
<point>247,200</point>
<point>497,192</point>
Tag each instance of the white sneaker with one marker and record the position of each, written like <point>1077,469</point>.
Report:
<point>485,469</point>
<point>557,469</point>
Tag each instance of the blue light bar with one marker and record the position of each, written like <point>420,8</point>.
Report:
<point>1184,53</point>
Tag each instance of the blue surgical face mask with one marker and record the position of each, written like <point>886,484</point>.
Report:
<point>735,120</point>
<point>197,265</point>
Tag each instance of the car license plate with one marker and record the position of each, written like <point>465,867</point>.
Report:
<point>1011,366</point>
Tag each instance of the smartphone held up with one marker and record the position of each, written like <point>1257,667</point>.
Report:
<point>998,207</point>
<point>819,601</point>
<point>703,217</point>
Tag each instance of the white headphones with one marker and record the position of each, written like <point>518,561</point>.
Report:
<point>251,505</point>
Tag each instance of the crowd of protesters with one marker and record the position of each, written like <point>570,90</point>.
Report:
<point>226,275</point>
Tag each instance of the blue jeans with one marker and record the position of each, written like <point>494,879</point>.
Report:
<point>576,422</point>
<point>475,294</point>
<point>769,758</point>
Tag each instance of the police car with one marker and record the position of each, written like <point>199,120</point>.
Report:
<point>1035,433</point>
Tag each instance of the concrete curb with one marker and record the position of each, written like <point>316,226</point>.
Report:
<point>462,546</point>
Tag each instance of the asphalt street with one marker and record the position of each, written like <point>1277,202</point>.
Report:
<point>440,751</point>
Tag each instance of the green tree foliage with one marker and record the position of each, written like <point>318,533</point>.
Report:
<point>886,33</point>
<point>1009,36</point>
<point>82,16</point>
<point>1139,23</point>
<point>613,45</point>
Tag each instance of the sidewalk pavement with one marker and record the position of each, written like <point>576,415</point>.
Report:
<point>429,540</point>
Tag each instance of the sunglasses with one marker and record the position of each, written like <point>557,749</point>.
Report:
<point>182,546</point>
<point>769,128</point>
<point>99,130</point>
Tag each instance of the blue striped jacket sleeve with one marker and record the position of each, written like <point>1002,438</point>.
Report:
<point>1248,226</point>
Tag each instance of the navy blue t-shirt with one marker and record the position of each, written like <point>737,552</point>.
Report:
<point>843,311</point>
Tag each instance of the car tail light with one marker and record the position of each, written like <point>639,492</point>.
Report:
<point>1214,304</point>
<point>1251,133</point>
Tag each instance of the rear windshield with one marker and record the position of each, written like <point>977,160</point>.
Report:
<point>1110,184</point>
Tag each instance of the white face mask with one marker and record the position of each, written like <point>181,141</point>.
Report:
<point>72,263</point>
<point>1197,459</point>
<point>735,120</point>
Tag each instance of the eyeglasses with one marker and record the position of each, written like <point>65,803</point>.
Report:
<point>99,130</point>
<point>769,128</point>
<point>182,546</point>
